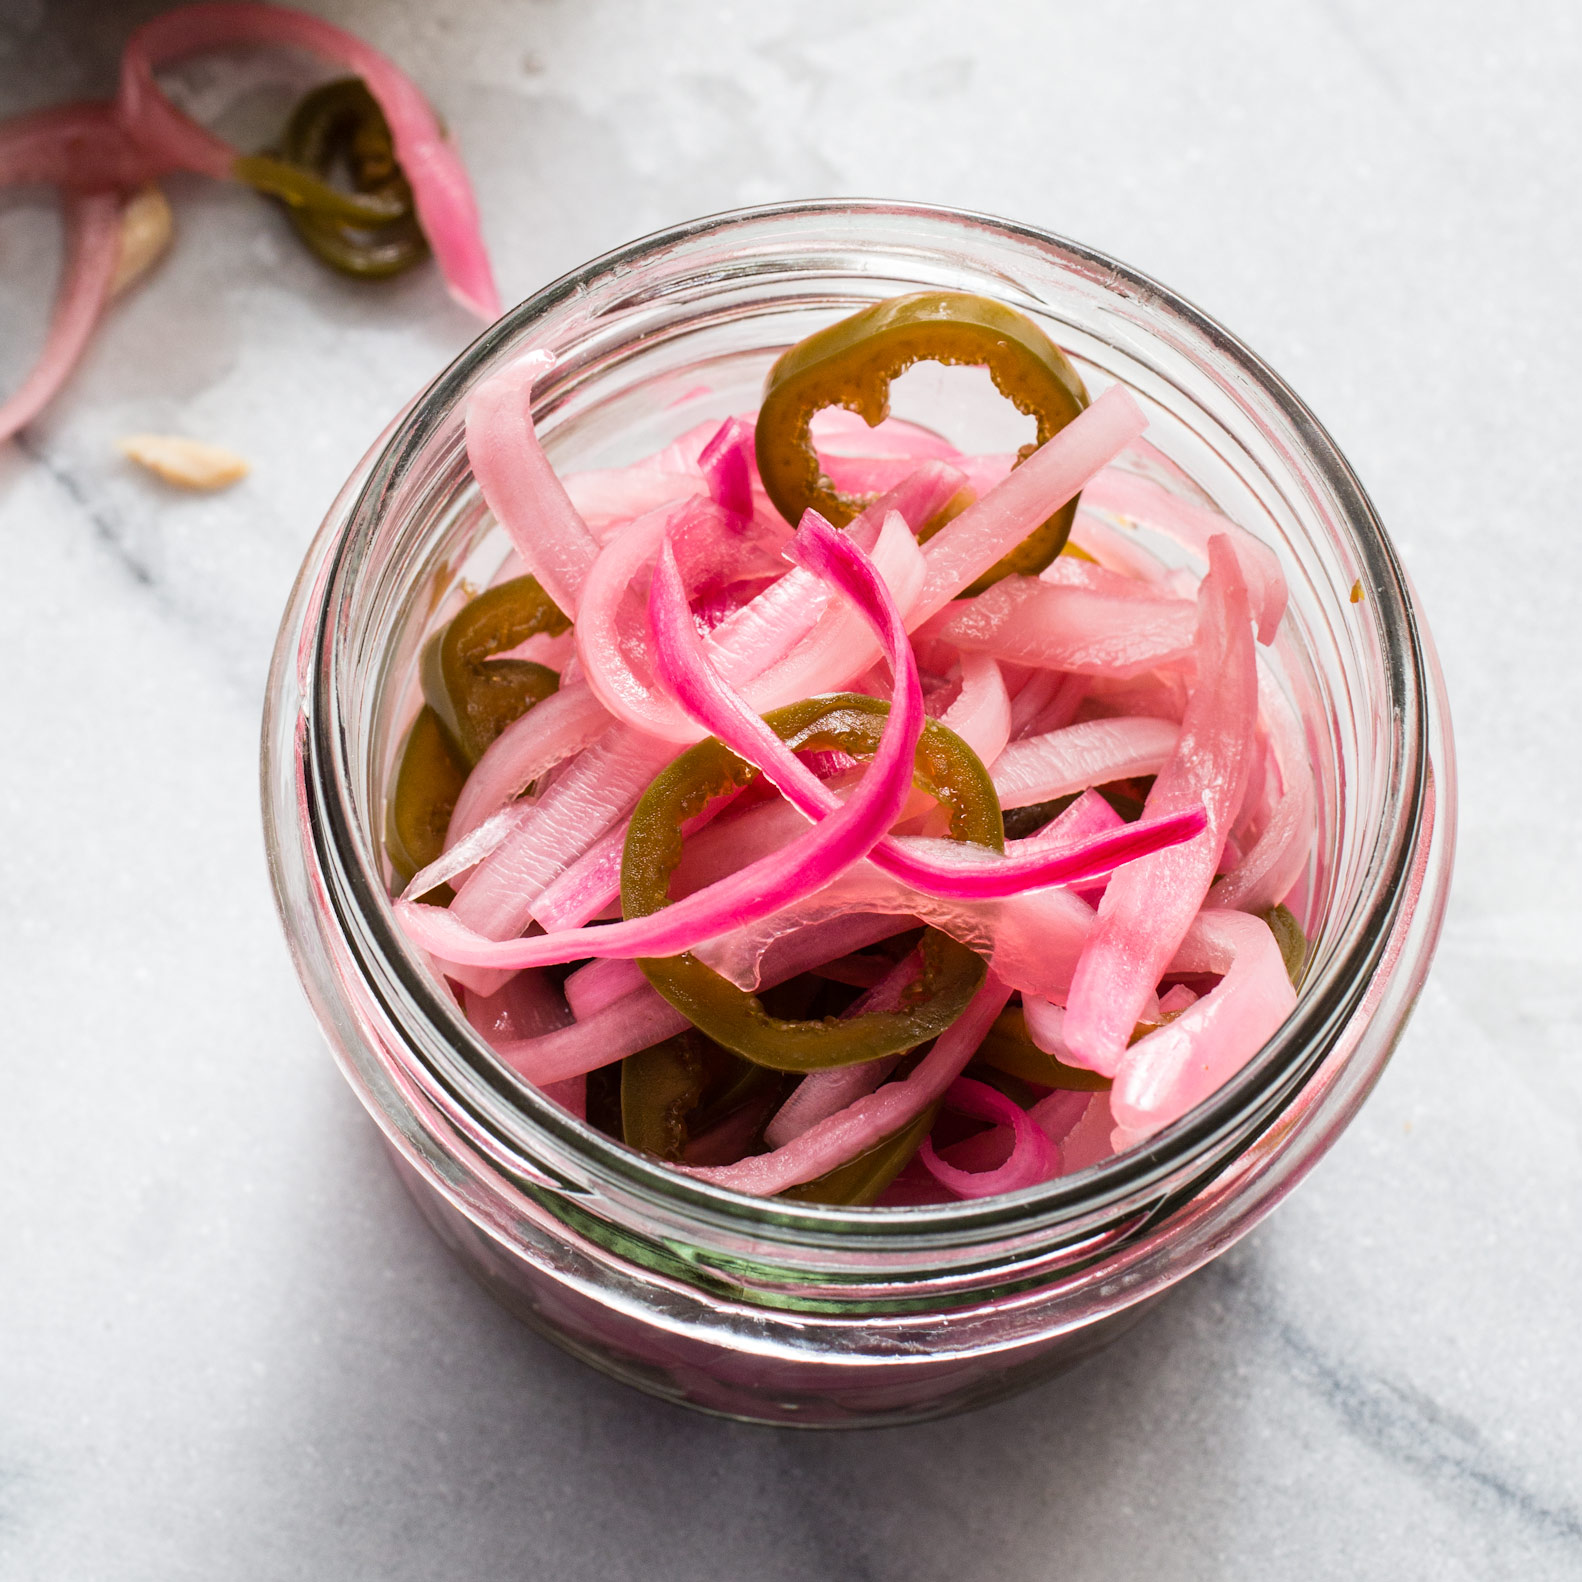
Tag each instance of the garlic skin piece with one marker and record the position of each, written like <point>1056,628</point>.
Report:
<point>146,229</point>
<point>187,463</point>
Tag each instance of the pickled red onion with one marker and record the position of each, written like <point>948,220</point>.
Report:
<point>1070,628</point>
<point>962,550</point>
<point>93,240</point>
<point>562,724</point>
<point>1041,768</point>
<point>822,1093</point>
<point>1164,1074</point>
<point>520,487</point>
<point>1148,907</point>
<point>1033,1158</point>
<point>981,712</point>
<point>441,192</point>
<point>1125,494</point>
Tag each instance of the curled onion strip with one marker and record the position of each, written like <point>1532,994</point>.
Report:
<point>441,193</point>
<point>93,241</point>
<point>1148,908</point>
<point>822,1093</point>
<point>521,488</point>
<point>1125,494</point>
<point>1166,1073</point>
<point>1033,1158</point>
<point>962,550</point>
<point>1056,763</point>
<point>551,731</point>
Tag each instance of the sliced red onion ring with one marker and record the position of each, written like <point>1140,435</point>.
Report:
<point>590,796</point>
<point>591,885</point>
<point>1041,768</point>
<point>441,192</point>
<point>1033,1157</point>
<point>727,465</point>
<point>981,712</point>
<point>93,241</point>
<point>1034,622</point>
<point>1125,494</point>
<point>466,854</point>
<point>964,549</point>
<point>1276,860</point>
<point>636,1021</point>
<point>1163,1075</point>
<point>551,731</point>
<point>1148,907</point>
<point>1089,1142</point>
<point>520,487</point>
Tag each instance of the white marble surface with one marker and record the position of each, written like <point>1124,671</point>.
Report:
<point>229,1349</point>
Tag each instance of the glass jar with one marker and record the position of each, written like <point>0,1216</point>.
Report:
<point>784,1312</point>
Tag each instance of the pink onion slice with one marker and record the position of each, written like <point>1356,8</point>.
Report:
<point>1034,622</point>
<point>1033,1157</point>
<point>864,1124</point>
<point>1089,815</point>
<point>1165,1074</point>
<point>591,885</point>
<point>551,731</point>
<point>1090,1141</point>
<point>611,642</point>
<point>527,1007</point>
<point>981,712</point>
<point>441,192</point>
<point>1055,1115</point>
<point>727,466</point>
<point>637,1021</point>
<point>466,854</point>
<point>93,240</point>
<point>1276,860</point>
<point>940,866</point>
<point>964,549</point>
<point>595,791</point>
<point>1125,494</point>
<point>600,983</point>
<point>520,487</point>
<point>1041,768</point>
<point>1149,906</point>
<point>761,888</point>
<point>1061,710</point>
<point>82,147</point>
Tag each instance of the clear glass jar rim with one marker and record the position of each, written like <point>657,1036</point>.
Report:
<point>514,1114</point>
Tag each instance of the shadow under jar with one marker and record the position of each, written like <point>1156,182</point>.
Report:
<point>770,1310</point>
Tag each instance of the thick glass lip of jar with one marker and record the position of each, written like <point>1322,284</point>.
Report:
<point>509,1123</point>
